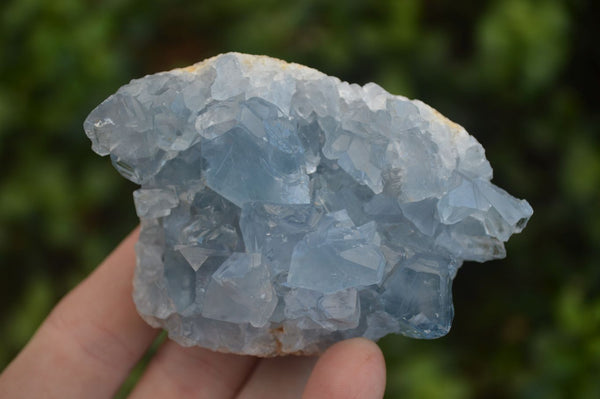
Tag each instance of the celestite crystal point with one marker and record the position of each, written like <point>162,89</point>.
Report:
<point>283,210</point>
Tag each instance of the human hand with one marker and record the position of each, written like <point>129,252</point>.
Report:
<point>94,336</point>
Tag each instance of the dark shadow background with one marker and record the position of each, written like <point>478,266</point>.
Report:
<point>521,75</point>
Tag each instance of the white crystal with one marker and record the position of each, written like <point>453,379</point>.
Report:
<point>154,203</point>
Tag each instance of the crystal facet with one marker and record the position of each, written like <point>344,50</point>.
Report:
<point>283,210</point>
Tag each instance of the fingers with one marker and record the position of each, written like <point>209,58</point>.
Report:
<point>350,369</point>
<point>178,372</point>
<point>278,378</point>
<point>90,341</point>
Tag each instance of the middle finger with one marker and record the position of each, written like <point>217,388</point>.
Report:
<point>178,372</point>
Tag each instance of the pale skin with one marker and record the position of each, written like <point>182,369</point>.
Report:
<point>90,341</point>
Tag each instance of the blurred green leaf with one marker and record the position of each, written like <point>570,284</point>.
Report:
<point>523,43</point>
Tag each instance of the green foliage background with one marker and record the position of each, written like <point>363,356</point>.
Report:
<point>521,75</point>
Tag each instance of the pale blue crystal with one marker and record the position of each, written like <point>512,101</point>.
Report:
<point>337,256</point>
<point>274,230</point>
<point>283,210</point>
<point>418,294</point>
<point>274,174</point>
<point>240,291</point>
<point>154,202</point>
<point>337,311</point>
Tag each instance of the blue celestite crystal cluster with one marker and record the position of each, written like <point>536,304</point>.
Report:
<point>283,210</point>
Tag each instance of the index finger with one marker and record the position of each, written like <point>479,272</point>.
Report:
<point>90,341</point>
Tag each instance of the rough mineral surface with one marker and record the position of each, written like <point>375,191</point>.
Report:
<point>283,210</point>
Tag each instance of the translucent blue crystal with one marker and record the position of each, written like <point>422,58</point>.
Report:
<point>240,291</point>
<point>336,256</point>
<point>283,210</point>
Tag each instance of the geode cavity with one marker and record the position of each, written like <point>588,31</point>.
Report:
<point>283,210</point>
